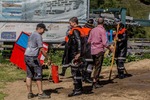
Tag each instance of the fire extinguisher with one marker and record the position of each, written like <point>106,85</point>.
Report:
<point>55,76</point>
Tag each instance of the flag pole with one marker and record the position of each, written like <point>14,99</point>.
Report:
<point>113,57</point>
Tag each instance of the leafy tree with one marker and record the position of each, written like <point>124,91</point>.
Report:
<point>137,32</point>
<point>104,4</point>
<point>147,2</point>
<point>94,4</point>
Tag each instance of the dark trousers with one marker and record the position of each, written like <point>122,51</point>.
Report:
<point>77,78</point>
<point>87,71</point>
<point>98,60</point>
<point>65,60</point>
<point>120,66</point>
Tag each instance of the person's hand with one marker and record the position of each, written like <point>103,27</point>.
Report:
<point>77,56</point>
<point>117,39</point>
<point>111,48</point>
<point>59,45</point>
<point>114,32</point>
<point>49,62</point>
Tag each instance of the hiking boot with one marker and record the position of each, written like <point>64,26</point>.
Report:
<point>62,74</point>
<point>31,95</point>
<point>75,93</point>
<point>88,80</point>
<point>43,96</point>
<point>121,76</point>
<point>95,85</point>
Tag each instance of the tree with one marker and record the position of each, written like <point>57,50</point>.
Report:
<point>147,2</point>
<point>94,4</point>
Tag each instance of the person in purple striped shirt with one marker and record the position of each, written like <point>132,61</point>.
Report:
<point>98,41</point>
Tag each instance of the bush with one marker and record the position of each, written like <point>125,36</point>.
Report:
<point>6,53</point>
<point>56,56</point>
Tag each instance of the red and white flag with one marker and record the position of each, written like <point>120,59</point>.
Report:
<point>17,56</point>
<point>41,57</point>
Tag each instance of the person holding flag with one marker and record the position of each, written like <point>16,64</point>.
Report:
<point>34,69</point>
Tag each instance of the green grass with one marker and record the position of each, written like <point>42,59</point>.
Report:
<point>2,86</point>
<point>2,95</point>
<point>9,73</point>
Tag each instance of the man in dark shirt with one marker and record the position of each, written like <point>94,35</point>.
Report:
<point>121,51</point>
<point>74,52</point>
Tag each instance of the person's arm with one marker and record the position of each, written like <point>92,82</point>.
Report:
<point>105,42</point>
<point>44,52</point>
<point>64,42</point>
<point>77,38</point>
<point>40,45</point>
<point>124,37</point>
<point>90,37</point>
<point>61,44</point>
<point>104,39</point>
<point>45,55</point>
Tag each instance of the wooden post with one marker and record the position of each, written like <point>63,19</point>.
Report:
<point>113,57</point>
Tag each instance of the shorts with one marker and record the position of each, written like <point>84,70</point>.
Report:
<point>34,69</point>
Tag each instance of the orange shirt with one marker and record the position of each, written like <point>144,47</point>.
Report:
<point>82,34</point>
<point>122,31</point>
<point>86,30</point>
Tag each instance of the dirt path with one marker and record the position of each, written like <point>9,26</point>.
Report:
<point>136,87</point>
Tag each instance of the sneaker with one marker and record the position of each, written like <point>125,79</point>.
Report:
<point>95,85</point>
<point>31,95</point>
<point>43,96</point>
<point>75,93</point>
<point>88,80</point>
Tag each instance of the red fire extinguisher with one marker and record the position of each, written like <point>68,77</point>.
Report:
<point>55,76</point>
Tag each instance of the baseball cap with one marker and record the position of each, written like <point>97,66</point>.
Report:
<point>41,25</point>
<point>90,21</point>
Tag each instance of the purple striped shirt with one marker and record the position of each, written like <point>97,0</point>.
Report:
<point>98,39</point>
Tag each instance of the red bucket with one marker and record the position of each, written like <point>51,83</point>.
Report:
<point>55,76</point>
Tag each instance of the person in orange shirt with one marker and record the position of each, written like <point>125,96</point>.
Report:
<point>121,50</point>
<point>87,53</point>
<point>75,53</point>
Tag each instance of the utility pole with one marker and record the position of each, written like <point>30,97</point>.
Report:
<point>0,8</point>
